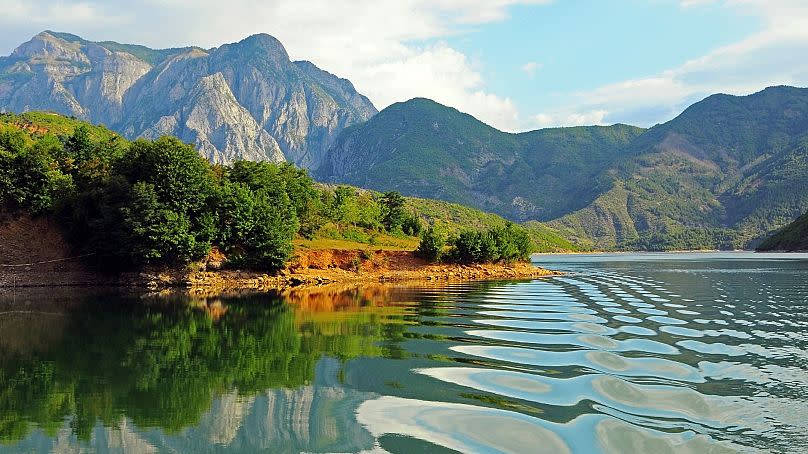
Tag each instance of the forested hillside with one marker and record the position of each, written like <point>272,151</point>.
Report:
<point>127,204</point>
<point>722,175</point>
<point>793,237</point>
<point>425,149</point>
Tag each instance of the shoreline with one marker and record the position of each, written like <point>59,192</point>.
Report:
<point>309,268</point>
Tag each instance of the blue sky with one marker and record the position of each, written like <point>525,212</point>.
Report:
<point>515,64</point>
<point>543,52</point>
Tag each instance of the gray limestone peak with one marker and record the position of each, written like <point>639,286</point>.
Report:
<point>244,100</point>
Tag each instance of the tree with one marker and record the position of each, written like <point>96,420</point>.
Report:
<point>182,180</point>
<point>27,179</point>
<point>431,246</point>
<point>79,146</point>
<point>256,227</point>
<point>157,233</point>
<point>393,212</point>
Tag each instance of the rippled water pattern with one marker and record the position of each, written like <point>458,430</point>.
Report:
<point>687,353</point>
<point>698,354</point>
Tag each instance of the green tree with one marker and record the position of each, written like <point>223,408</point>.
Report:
<point>431,246</point>
<point>393,212</point>
<point>157,233</point>
<point>256,227</point>
<point>183,181</point>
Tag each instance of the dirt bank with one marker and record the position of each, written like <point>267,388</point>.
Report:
<point>36,254</point>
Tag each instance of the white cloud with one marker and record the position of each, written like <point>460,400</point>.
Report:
<point>770,57</point>
<point>530,68</point>
<point>594,117</point>
<point>380,45</point>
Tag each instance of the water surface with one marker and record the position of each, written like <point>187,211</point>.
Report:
<point>625,353</point>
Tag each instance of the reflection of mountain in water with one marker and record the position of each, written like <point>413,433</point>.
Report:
<point>312,418</point>
<point>315,418</point>
<point>129,375</point>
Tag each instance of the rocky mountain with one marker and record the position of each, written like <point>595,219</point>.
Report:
<point>245,100</point>
<point>724,174</point>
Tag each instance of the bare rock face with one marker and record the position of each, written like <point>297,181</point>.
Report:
<point>244,100</point>
<point>222,130</point>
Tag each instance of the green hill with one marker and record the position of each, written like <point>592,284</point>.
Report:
<point>722,175</point>
<point>793,237</point>
<point>422,148</point>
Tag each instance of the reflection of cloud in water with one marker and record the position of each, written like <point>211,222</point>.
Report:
<point>642,400</point>
<point>469,428</point>
<point>465,428</point>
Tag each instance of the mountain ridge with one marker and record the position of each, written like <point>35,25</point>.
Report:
<point>296,109</point>
<point>718,176</point>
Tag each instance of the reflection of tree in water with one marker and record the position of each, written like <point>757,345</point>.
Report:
<point>162,363</point>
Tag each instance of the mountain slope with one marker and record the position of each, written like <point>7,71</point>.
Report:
<point>793,237</point>
<point>425,149</point>
<point>723,174</point>
<point>244,100</point>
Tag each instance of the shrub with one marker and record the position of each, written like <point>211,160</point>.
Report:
<point>431,246</point>
<point>508,244</point>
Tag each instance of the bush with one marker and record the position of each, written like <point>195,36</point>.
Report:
<point>431,246</point>
<point>256,227</point>
<point>507,244</point>
<point>157,233</point>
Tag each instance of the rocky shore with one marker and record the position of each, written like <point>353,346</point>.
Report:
<point>38,256</point>
<point>312,268</point>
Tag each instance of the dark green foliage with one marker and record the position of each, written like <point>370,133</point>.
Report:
<point>510,243</point>
<point>474,247</point>
<point>256,226</point>
<point>182,179</point>
<point>157,233</point>
<point>393,212</point>
<point>793,237</point>
<point>275,179</point>
<point>27,179</point>
<point>431,246</point>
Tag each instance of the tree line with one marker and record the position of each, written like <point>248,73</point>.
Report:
<point>157,202</point>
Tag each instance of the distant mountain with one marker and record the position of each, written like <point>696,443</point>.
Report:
<point>425,149</point>
<point>245,100</point>
<point>725,173</point>
<point>793,237</point>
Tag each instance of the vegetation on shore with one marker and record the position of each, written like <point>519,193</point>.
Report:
<point>506,244</point>
<point>793,237</point>
<point>129,204</point>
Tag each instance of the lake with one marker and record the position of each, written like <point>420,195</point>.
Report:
<point>625,353</point>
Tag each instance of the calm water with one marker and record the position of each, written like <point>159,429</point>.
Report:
<point>626,353</point>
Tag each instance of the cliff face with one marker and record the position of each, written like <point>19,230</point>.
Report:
<point>245,100</point>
